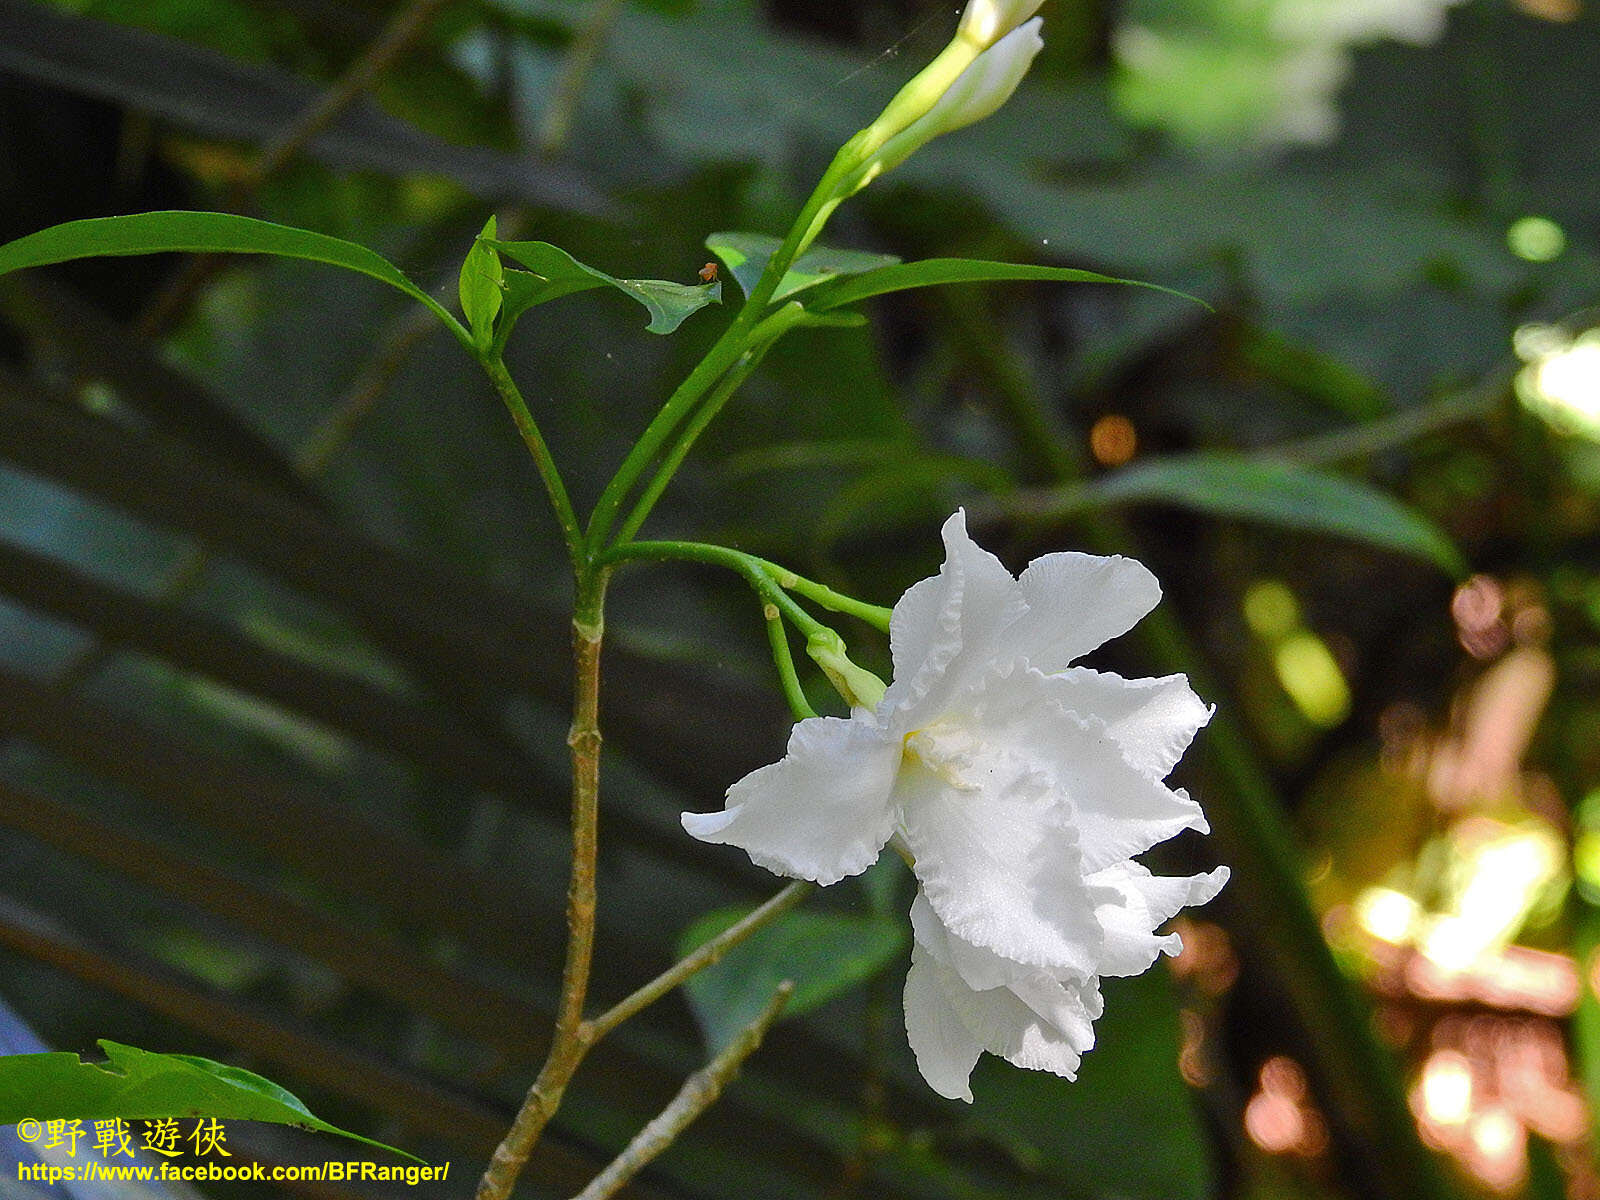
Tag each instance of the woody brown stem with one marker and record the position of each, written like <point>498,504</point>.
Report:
<point>567,1046</point>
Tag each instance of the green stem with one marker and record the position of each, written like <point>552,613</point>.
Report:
<point>727,350</point>
<point>776,605</point>
<point>873,614</point>
<point>788,678</point>
<point>571,529</point>
<point>753,569</point>
<point>762,339</point>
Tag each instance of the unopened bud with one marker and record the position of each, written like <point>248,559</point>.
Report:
<point>859,687</point>
<point>985,22</point>
<point>978,91</point>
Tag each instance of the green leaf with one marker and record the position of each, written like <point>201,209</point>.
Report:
<point>555,273</point>
<point>933,272</point>
<point>208,233</point>
<point>1307,370</point>
<point>137,1085</point>
<point>482,286</point>
<point>826,954</point>
<point>746,256</point>
<point>1126,1127</point>
<point>1278,493</point>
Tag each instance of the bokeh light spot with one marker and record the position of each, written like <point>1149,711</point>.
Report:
<point>1113,440</point>
<point>1536,239</point>
<point>1270,609</point>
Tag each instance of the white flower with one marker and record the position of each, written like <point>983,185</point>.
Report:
<point>962,1000</point>
<point>1018,786</point>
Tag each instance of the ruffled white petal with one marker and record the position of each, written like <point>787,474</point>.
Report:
<point>943,629</point>
<point>822,812</point>
<point>1117,825</point>
<point>945,1050</point>
<point>980,968</point>
<point>1070,1007</point>
<point>1137,904</point>
<point>1118,809</point>
<point>1153,720</point>
<point>1076,602</point>
<point>1034,1021</point>
<point>992,836</point>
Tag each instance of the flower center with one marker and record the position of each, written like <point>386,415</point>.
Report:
<point>943,750</point>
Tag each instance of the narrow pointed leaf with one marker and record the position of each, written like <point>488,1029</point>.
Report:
<point>933,272</point>
<point>208,233</point>
<point>1275,492</point>
<point>137,1085</point>
<point>746,256</point>
<point>556,273</point>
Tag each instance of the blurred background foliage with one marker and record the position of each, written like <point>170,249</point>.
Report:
<point>282,649</point>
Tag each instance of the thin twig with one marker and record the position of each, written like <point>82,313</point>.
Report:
<point>383,52</point>
<point>704,956</point>
<point>545,1095</point>
<point>372,382</point>
<point>699,1092</point>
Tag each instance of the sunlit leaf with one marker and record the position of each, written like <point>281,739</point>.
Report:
<point>746,256</point>
<point>933,272</point>
<point>1272,491</point>
<point>137,1084</point>
<point>207,233</point>
<point>555,273</point>
<point>825,954</point>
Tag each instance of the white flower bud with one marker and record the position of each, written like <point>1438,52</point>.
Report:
<point>985,22</point>
<point>977,92</point>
